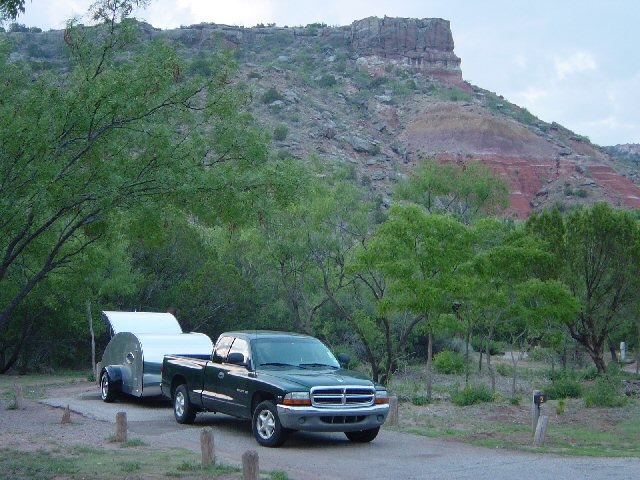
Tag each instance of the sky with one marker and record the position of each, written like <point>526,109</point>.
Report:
<point>574,62</point>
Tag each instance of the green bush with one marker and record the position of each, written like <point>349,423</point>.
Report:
<point>448,362</point>
<point>563,387</point>
<point>419,400</point>
<point>280,132</point>
<point>479,345</point>
<point>471,394</point>
<point>504,370</point>
<point>271,96</point>
<point>327,81</point>
<point>607,392</point>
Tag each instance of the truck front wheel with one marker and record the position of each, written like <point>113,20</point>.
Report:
<point>182,408</point>
<point>363,436</point>
<point>266,425</point>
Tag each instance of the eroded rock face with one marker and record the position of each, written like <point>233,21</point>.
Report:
<point>425,44</point>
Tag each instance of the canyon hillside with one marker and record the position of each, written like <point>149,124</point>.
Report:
<point>382,95</point>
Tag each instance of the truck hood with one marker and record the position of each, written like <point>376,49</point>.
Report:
<point>294,379</point>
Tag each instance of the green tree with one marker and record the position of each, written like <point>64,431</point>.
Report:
<point>597,251</point>
<point>517,297</point>
<point>123,128</point>
<point>468,191</point>
<point>418,254</point>
<point>10,9</point>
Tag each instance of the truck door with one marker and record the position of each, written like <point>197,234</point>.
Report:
<point>233,386</point>
<point>212,396</point>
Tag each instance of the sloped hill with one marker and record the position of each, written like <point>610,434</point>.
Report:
<point>382,95</point>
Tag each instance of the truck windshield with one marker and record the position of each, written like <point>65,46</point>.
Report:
<point>295,351</point>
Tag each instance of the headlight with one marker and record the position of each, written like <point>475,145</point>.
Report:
<point>382,397</point>
<point>297,399</point>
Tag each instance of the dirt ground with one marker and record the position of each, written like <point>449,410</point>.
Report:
<point>39,427</point>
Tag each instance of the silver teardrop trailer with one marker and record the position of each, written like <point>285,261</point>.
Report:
<point>132,360</point>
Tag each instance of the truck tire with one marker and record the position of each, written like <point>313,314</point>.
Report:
<point>266,425</point>
<point>182,408</point>
<point>363,436</point>
<point>108,391</point>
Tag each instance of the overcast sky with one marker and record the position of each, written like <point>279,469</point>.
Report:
<point>574,62</point>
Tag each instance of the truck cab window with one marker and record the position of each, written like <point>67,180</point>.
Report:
<point>222,349</point>
<point>240,346</point>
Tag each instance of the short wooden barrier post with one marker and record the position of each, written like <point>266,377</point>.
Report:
<point>535,412</point>
<point>121,427</point>
<point>538,423</point>
<point>19,397</point>
<point>541,430</point>
<point>207,447</point>
<point>66,416</point>
<point>392,417</point>
<point>250,467</point>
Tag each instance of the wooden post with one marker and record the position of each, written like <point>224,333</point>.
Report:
<point>541,431</point>
<point>66,416</point>
<point>19,397</point>
<point>121,427</point>
<point>392,417</point>
<point>207,447</point>
<point>250,468</point>
<point>535,412</point>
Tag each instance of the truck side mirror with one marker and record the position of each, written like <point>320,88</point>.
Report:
<point>344,360</point>
<point>236,358</point>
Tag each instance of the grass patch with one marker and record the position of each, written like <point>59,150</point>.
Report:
<point>578,431</point>
<point>34,386</point>
<point>84,462</point>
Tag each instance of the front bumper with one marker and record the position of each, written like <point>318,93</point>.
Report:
<point>313,419</point>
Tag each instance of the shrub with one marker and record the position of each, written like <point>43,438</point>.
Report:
<point>471,394</point>
<point>563,387</point>
<point>448,362</point>
<point>271,96</point>
<point>419,400</point>
<point>280,132</point>
<point>504,370</point>
<point>607,392</point>
<point>479,345</point>
<point>327,81</point>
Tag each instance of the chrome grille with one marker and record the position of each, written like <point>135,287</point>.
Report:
<point>332,397</point>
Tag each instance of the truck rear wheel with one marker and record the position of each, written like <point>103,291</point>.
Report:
<point>266,425</point>
<point>363,436</point>
<point>182,408</point>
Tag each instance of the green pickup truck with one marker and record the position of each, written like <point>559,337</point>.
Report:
<point>283,382</point>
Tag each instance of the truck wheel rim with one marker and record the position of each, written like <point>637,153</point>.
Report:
<point>179,406</point>
<point>266,424</point>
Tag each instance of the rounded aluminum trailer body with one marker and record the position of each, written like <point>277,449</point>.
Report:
<point>138,353</point>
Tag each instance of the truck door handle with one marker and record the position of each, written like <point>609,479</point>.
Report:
<point>220,375</point>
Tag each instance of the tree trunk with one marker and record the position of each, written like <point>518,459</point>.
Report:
<point>492,374</point>
<point>93,341</point>
<point>612,349</point>
<point>429,361</point>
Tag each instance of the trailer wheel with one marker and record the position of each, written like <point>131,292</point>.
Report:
<point>266,425</point>
<point>182,408</point>
<point>363,436</point>
<point>108,391</point>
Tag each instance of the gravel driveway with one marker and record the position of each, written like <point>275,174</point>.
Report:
<point>307,456</point>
